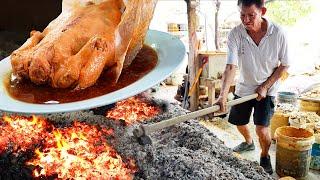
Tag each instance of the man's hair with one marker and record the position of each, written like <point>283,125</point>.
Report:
<point>247,3</point>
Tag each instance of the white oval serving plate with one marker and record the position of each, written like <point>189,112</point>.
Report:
<point>170,51</point>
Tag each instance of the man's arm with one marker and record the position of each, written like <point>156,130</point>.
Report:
<point>276,75</point>
<point>227,79</point>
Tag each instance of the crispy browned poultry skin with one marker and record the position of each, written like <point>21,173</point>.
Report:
<point>82,41</point>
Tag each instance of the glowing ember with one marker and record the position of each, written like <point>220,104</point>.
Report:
<point>133,110</point>
<point>80,151</point>
<point>76,152</point>
<point>21,133</point>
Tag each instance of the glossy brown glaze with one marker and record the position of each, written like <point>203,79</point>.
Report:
<point>26,91</point>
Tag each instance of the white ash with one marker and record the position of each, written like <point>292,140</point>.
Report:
<point>304,117</point>
<point>184,151</point>
<point>286,108</point>
<point>314,93</point>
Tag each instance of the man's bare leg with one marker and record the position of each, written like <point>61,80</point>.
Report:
<point>244,130</point>
<point>264,139</point>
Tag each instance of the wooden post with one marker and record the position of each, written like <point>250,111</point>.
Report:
<point>193,62</point>
<point>216,25</point>
<point>211,84</point>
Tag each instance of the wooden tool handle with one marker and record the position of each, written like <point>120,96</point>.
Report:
<point>147,129</point>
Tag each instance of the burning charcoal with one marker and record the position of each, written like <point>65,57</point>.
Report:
<point>102,110</point>
<point>12,166</point>
<point>183,151</point>
<point>163,104</point>
<point>122,122</point>
<point>134,109</point>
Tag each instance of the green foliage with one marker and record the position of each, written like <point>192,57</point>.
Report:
<point>288,12</point>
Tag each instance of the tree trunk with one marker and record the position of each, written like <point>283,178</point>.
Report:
<point>216,25</point>
<point>193,64</point>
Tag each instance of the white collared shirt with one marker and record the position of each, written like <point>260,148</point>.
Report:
<point>256,63</point>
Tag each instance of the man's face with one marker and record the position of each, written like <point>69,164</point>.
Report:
<point>251,16</point>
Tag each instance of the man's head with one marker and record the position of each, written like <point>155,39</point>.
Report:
<point>251,12</point>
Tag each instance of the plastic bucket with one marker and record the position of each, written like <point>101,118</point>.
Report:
<point>315,157</point>
<point>293,153</point>
<point>278,120</point>
<point>315,154</point>
<point>309,106</point>
<point>287,97</point>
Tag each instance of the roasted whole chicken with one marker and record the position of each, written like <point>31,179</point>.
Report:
<point>87,38</point>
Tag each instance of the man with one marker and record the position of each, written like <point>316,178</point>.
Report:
<point>259,49</point>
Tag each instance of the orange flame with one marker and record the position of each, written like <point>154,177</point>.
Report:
<point>21,133</point>
<point>76,152</point>
<point>80,151</point>
<point>133,110</point>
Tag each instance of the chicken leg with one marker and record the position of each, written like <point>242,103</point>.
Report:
<point>21,58</point>
<point>85,67</point>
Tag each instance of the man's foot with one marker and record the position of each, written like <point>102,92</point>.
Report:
<point>244,146</point>
<point>265,162</point>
